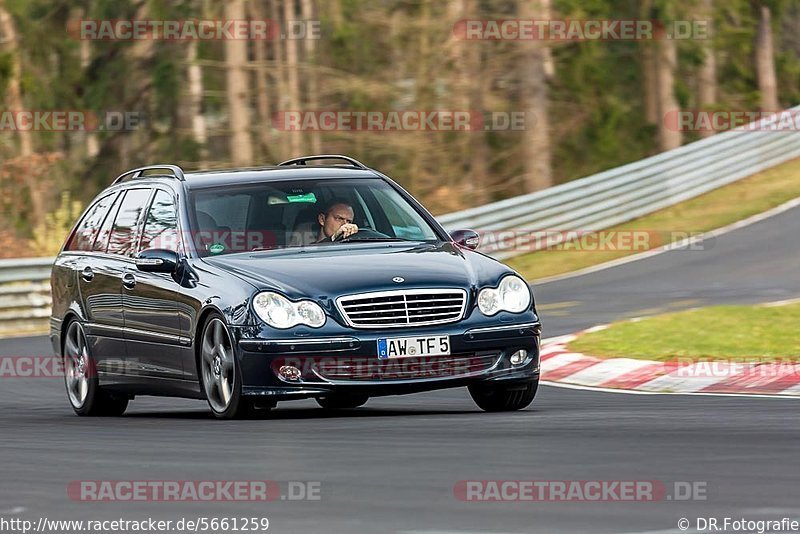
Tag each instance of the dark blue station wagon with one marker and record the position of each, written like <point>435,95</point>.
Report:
<point>303,280</point>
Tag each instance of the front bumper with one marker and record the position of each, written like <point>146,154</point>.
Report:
<point>347,362</point>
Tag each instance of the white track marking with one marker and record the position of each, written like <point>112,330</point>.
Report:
<point>637,392</point>
<point>605,371</point>
<point>686,383</point>
<point>559,339</point>
<point>560,360</point>
<point>786,206</point>
<point>778,303</point>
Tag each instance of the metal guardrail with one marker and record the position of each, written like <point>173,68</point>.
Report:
<point>587,204</point>
<point>25,294</point>
<point>625,193</point>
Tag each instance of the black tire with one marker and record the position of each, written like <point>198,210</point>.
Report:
<point>84,393</point>
<point>219,371</point>
<point>342,402</point>
<point>498,398</point>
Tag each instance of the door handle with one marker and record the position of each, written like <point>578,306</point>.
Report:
<point>129,281</point>
<point>87,274</point>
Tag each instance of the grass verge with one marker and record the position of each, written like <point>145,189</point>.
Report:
<point>734,333</point>
<point>715,209</point>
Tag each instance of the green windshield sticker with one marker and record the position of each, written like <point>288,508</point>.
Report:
<point>216,248</point>
<point>306,197</point>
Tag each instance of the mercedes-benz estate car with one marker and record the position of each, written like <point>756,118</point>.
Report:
<point>303,280</point>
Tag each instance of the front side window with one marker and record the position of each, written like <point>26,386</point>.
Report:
<point>86,232</point>
<point>124,232</point>
<point>161,225</point>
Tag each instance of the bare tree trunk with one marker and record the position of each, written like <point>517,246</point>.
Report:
<point>535,97</point>
<point>90,140</point>
<point>195,75</point>
<point>459,83</point>
<point>765,61</point>
<point>279,49</point>
<point>650,85</point>
<point>423,89</point>
<point>137,146</point>
<point>478,150</point>
<point>13,95</point>
<point>335,10</point>
<point>262,84</point>
<point>308,10</point>
<point>707,75</point>
<point>469,83</point>
<point>241,145</point>
<point>650,82</point>
<point>293,92</point>
<point>667,62</point>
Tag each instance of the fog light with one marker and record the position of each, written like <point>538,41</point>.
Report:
<point>518,357</point>
<point>289,372</point>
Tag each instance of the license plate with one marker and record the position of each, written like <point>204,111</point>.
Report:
<point>413,347</point>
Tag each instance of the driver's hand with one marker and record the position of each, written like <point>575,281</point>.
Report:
<point>345,231</point>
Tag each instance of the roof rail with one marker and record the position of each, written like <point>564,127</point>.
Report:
<point>175,172</point>
<point>303,159</point>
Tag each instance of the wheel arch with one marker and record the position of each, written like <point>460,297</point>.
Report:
<point>202,319</point>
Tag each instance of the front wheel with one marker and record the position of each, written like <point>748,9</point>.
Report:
<point>85,395</point>
<point>503,398</point>
<point>219,372</point>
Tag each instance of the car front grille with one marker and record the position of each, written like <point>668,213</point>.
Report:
<point>409,307</point>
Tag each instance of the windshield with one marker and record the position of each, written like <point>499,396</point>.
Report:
<point>300,213</point>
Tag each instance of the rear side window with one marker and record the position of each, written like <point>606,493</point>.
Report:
<point>124,231</point>
<point>161,226</point>
<point>84,235</point>
<point>101,243</point>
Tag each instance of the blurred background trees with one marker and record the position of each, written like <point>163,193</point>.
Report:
<point>589,105</point>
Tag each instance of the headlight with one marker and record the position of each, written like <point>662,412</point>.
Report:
<point>280,312</point>
<point>511,295</point>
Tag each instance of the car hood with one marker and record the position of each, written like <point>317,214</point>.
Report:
<point>331,271</point>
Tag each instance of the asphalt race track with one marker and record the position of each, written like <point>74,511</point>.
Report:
<point>392,465</point>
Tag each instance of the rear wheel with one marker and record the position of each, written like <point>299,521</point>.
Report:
<point>85,395</point>
<point>219,372</point>
<point>503,398</point>
<point>342,402</point>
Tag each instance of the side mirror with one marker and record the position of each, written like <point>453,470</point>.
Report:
<point>466,238</point>
<point>157,260</point>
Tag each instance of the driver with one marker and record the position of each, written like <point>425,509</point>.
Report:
<point>336,220</point>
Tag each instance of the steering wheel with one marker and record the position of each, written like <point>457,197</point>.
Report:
<point>362,232</point>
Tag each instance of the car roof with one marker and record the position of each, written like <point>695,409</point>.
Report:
<point>218,177</point>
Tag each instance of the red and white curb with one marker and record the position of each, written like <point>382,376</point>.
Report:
<point>563,366</point>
